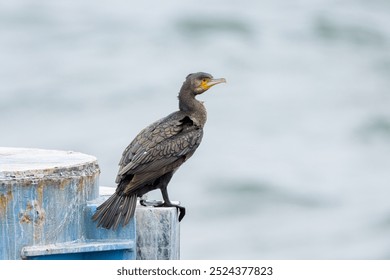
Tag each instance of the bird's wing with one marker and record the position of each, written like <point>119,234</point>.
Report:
<point>159,145</point>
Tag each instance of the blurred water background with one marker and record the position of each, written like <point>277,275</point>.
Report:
<point>295,161</point>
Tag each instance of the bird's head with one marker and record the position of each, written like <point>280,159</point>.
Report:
<point>200,82</point>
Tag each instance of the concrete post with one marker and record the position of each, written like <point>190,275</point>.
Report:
<point>157,231</point>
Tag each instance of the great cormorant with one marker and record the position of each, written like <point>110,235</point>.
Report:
<point>151,159</point>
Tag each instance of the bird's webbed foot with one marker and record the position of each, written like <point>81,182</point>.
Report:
<point>158,203</point>
<point>151,203</point>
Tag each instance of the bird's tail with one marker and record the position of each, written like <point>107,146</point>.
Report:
<point>115,210</point>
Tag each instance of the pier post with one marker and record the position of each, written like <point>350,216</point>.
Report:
<point>47,199</point>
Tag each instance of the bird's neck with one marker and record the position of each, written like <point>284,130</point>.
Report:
<point>191,106</point>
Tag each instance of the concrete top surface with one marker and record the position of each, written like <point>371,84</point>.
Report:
<point>22,160</point>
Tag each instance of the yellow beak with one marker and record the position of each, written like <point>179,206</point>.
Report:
<point>212,82</point>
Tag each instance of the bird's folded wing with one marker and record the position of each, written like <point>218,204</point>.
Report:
<point>158,146</point>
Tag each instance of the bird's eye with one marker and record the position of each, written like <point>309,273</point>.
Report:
<point>204,80</point>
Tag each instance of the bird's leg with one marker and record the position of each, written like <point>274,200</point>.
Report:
<point>167,203</point>
<point>162,184</point>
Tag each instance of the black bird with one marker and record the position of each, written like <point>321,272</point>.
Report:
<point>150,160</point>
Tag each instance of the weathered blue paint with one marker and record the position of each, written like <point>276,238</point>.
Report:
<point>44,209</point>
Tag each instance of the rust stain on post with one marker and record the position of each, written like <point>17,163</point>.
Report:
<point>25,217</point>
<point>39,213</point>
<point>4,200</point>
<point>80,185</point>
<point>64,183</point>
<point>40,192</point>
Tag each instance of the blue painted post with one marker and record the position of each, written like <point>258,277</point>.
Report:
<point>43,208</point>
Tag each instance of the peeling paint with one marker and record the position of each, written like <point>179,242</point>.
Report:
<point>33,213</point>
<point>25,218</point>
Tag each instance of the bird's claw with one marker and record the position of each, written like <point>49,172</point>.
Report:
<point>182,212</point>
